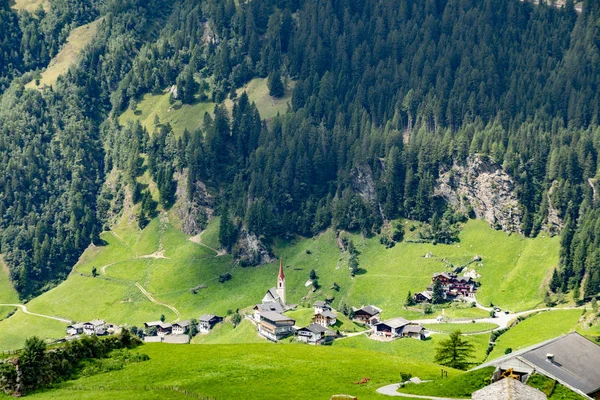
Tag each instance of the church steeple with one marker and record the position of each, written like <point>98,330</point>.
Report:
<point>281,283</point>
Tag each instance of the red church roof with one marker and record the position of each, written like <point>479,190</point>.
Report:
<point>281,275</point>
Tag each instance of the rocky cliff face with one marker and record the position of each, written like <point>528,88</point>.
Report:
<point>483,188</point>
<point>250,251</point>
<point>195,213</point>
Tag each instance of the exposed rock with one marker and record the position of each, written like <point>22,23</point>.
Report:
<point>363,183</point>
<point>250,251</point>
<point>195,213</point>
<point>553,222</point>
<point>476,258</point>
<point>428,255</point>
<point>483,186</point>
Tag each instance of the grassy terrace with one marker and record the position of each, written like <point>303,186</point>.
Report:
<point>258,371</point>
<point>464,328</point>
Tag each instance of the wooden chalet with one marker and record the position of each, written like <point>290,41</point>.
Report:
<point>275,326</point>
<point>369,315</point>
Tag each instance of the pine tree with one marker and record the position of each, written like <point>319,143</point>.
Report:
<point>438,292</point>
<point>410,301</point>
<point>454,352</point>
<point>275,84</point>
<point>555,282</point>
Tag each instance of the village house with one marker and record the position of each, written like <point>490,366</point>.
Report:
<point>162,328</point>
<point>369,315</point>
<point>75,329</point>
<point>325,318</point>
<point>181,327</point>
<point>423,297</point>
<point>207,321</point>
<point>414,331</point>
<point>453,286</point>
<point>94,327</point>
<point>112,329</point>
<point>314,334</point>
<point>275,326</point>
<point>571,360</point>
<point>399,327</point>
<point>321,306</point>
<point>391,328</point>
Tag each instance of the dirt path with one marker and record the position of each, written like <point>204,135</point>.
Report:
<point>152,299</point>
<point>198,240</point>
<point>391,390</point>
<point>26,311</point>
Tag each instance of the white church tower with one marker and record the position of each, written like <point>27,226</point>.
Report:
<point>281,284</point>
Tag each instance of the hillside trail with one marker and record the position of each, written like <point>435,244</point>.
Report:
<point>26,311</point>
<point>198,240</point>
<point>391,390</point>
<point>152,299</point>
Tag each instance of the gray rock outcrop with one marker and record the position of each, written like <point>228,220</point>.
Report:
<point>250,251</point>
<point>482,186</point>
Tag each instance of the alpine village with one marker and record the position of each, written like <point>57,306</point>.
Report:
<point>300,199</point>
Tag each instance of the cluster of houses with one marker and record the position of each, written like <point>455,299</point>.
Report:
<point>179,331</point>
<point>391,328</point>
<point>453,287</point>
<point>96,327</point>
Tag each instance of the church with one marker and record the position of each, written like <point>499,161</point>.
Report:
<point>277,294</point>
<point>274,300</point>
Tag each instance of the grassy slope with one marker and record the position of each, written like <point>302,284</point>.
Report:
<point>191,116</point>
<point>536,329</point>
<point>188,117</point>
<point>422,350</point>
<point>390,274</point>
<point>259,371</point>
<point>14,330</point>
<point>8,295</point>
<point>29,5</point>
<point>224,333</point>
<point>258,92</point>
<point>464,328</point>
<point>463,385</point>
<point>67,56</point>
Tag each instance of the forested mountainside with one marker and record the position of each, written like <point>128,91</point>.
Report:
<point>386,96</point>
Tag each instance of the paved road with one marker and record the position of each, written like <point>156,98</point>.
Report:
<point>26,311</point>
<point>152,299</point>
<point>391,390</point>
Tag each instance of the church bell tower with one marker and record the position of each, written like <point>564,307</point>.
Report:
<point>281,284</point>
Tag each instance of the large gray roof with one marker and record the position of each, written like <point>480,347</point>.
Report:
<point>275,317</point>
<point>316,328</point>
<point>508,389</point>
<point>395,323</point>
<point>413,328</point>
<point>575,362</point>
<point>270,306</point>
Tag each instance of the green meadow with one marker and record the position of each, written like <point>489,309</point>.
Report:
<point>168,265</point>
<point>464,328</point>
<point>535,329</point>
<point>251,371</point>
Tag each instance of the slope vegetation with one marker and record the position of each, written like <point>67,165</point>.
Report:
<point>60,64</point>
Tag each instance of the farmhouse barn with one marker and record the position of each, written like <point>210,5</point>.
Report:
<point>207,321</point>
<point>325,318</point>
<point>571,360</point>
<point>370,315</point>
<point>314,334</point>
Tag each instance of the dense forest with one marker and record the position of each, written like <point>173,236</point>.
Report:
<point>385,92</point>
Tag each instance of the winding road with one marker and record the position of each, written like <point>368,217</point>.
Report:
<point>152,299</point>
<point>26,311</point>
<point>392,390</point>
